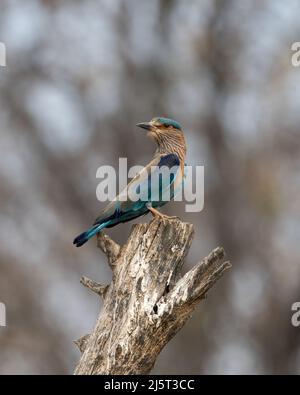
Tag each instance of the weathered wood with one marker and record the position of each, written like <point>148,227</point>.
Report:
<point>110,248</point>
<point>99,289</point>
<point>82,342</point>
<point>148,300</point>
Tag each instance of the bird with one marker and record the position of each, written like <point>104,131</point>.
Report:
<point>170,154</point>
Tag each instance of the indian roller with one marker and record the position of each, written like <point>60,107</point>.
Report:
<point>170,154</point>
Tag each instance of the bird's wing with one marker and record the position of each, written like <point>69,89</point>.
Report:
<point>153,183</point>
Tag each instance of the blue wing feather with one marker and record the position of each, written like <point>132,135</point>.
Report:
<point>158,193</point>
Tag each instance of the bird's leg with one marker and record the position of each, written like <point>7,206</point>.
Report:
<point>156,213</point>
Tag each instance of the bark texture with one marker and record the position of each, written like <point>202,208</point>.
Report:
<point>148,300</point>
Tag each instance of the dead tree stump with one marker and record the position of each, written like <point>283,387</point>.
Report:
<point>148,300</point>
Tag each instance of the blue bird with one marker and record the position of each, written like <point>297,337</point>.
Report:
<point>153,186</point>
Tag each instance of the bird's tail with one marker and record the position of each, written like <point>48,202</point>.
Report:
<point>85,236</point>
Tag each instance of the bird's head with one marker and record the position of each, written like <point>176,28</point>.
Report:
<point>166,132</point>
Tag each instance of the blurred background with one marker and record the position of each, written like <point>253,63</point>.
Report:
<point>79,76</point>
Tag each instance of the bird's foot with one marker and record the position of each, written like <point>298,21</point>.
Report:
<point>165,218</point>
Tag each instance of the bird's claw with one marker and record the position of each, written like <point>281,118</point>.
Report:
<point>169,218</point>
<point>165,218</point>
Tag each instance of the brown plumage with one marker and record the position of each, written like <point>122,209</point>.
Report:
<point>169,139</point>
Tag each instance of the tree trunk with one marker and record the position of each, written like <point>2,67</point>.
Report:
<point>148,301</point>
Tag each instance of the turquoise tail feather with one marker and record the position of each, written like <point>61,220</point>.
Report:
<point>86,236</point>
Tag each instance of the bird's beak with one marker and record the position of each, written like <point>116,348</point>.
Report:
<point>144,125</point>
